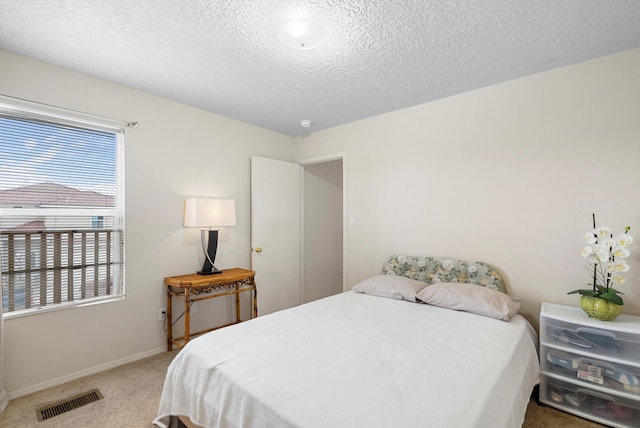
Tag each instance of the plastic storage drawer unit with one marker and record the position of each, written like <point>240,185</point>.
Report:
<point>590,368</point>
<point>610,375</point>
<point>602,407</point>
<point>597,340</point>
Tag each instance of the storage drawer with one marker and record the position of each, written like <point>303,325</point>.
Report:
<point>607,342</point>
<point>605,408</point>
<point>591,371</point>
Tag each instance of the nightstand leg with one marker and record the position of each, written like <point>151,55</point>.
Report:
<point>187,315</point>
<point>255,302</point>
<point>237,304</point>
<point>169,324</point>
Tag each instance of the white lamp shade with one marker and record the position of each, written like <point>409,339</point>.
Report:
<point>209,212</point>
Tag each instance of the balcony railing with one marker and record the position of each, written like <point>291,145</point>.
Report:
<point>42,268</point>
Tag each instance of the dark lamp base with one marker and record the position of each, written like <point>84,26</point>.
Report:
<point>210,255</point>
<point>211,272</point>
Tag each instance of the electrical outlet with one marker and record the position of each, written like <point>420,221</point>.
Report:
<point>162,315</point>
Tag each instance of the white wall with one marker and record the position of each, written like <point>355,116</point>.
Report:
<point>509,174</point>
<point>175,152</point>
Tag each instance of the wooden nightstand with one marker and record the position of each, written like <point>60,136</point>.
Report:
<point>194,287</point>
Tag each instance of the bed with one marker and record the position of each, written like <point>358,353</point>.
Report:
<point>375,356</point>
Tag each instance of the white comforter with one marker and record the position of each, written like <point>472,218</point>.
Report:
<point>354,360</point>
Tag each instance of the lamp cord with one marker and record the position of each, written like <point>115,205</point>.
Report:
<point>164,322</point>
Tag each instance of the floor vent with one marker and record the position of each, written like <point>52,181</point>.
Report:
<point>61,407</point>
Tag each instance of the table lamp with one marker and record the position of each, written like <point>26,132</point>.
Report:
<point>209,213</point>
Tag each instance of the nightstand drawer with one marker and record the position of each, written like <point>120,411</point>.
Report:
<point>590,337</point>
<point>591,371</point>
<point>609,409</point>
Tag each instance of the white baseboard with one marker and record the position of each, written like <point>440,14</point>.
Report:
<point>87,372</point>
<point>4,400</point>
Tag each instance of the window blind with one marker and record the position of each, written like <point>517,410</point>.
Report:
<point>61,211</point>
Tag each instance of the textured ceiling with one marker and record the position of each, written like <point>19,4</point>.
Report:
<point>225,56</point>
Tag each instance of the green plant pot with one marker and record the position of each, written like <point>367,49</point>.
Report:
<point>600,309</point>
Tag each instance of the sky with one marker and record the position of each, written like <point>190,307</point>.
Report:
<point>34,152</point>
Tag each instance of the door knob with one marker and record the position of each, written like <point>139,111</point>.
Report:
<point>258,249</point>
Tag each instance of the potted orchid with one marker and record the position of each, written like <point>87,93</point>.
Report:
<point>605,255</point>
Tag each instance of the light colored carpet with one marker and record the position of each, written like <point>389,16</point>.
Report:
<point>131,396</point>
<point>541,416</point>
<point>132,393</point>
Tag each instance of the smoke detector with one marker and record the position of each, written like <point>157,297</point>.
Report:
<point>305,123</point>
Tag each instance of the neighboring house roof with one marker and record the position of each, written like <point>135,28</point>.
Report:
<point>55,195</point>
<point>31,225</point>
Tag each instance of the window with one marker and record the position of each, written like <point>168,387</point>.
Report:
<point>61,208</point>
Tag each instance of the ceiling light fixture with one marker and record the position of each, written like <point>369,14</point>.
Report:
<point>302,34</point>
<point>305,123</point>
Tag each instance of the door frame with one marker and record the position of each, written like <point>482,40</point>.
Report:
<point>320,159</point>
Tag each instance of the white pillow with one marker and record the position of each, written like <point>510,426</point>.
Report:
<point>470,298</point>
<point>391,286</point>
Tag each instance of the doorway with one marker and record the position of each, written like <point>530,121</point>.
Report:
<point>298,242</point>
<point>323,233</point>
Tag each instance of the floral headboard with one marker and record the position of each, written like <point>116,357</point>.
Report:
<point>440,269</point>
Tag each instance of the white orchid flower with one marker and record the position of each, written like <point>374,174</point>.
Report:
<point>609,242</point>
<point>624,239</point>
<point>587,251</point>
<point>620,252</point>
<point>605,256</point>
<point>590,238</point>
<point>618,266</point>
<point>618,279</point>
<point>601,252</point>
<point>603,231</point>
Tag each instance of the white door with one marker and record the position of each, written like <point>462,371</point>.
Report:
<point>275,233</point>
